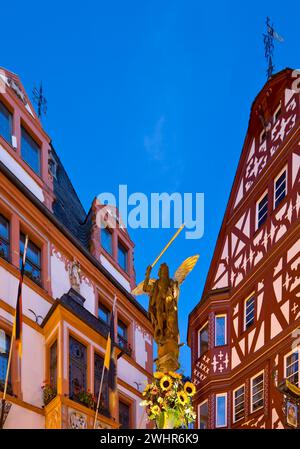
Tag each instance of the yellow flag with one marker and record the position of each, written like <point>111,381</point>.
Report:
<point>107,352</point>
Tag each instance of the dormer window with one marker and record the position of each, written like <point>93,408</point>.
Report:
<point>106,240</point>
<point>5,123</point>
<point>277,113</point>
<point>122,256</point>
<point>30,151</point>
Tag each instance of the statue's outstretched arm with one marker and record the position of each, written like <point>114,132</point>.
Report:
<point>146,286</point>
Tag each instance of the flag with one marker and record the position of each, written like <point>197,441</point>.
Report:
<point>17,329</point>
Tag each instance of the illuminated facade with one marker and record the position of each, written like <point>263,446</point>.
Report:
<point>73,272</point>
<point>243,333</point>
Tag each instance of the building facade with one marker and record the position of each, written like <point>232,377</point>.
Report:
<point>74,270</point>
<point>244,332</point>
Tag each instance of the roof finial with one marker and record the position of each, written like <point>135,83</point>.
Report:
<point>40,100</point>
<point>269,46</point>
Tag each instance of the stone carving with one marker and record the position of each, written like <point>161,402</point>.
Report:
<point>75,275</point>
<point>77,420</point>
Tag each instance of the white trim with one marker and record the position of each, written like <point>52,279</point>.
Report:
<point>216,417</point>
<point>275,112</point>
<point>251,390</point>
<point>285,366</point>
<point>285,169</point>
<point>199,331</point>
<point>225,330</point>
<point>266,193</point>
<point>233,403</point>
<point>263,131</point>
<point>199,406</point>
<point>244,311</point>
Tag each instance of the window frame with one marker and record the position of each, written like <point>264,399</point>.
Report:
<point>199,414</point>
<point>7,242</point>
<point>121,246</point>
<point>31,263</point>
<point>252,295</point>
<point>285,169</point>
<point>296,350</point>
<point>251,391</point>
<point>221,315</point>
<point>218,395</point>
<point>233,403</point>
<point>10,120</point>
<point>107,229</point>
<point>104,306</point>
<point>257,225</point>
<point>199,344</point>
<point>38,144</point>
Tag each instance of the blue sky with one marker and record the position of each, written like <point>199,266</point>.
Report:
<point>152,94</point>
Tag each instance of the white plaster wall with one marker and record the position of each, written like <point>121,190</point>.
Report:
<point>130,374</point>
<point>33,366</point>
<point>21,174</point>
<point>31,300</point>
<point>140,347</point>
<point>60,282</point>
<point>115,273</point>
<point>22,418</point>
<point>87,291</point>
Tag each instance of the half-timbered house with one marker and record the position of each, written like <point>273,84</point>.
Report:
<point>244,332</point>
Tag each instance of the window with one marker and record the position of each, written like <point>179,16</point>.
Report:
<point>98,367</point>
<point>279,188</point>
<point>31,152</point>
<point>257,392</point>
<point>4,238</point>
<point>262,211</point>
<point>5,123</point>
<point>106,240</point>
<point>203,340</point>
<point>221,410</point>
<point>292,368</point>
<point>277,113</point>
<point>122,335</point>
<point>220,330</point>
<point>249,317</point>
<point>53,365</point>
<point>203,415</point>
<point>124,415</point>
<point>122,256</point>
<point>239,403</point>
<point>104,313</point>
<point>4,353</point>
<point>77,368</point>
<point>33,260</point>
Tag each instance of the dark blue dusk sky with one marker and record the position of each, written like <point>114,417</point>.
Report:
<point>179,74</point>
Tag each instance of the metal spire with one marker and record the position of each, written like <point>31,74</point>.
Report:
<point>269,37</point>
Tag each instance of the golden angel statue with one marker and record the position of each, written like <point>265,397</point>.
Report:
<point>163,310</point>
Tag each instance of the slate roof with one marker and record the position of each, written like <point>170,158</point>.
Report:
<point>67,206</point>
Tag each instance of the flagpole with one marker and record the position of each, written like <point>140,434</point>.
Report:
<point>102,374</point>
<point>11,346</point>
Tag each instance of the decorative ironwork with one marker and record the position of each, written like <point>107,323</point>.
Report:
<point>269,37</point>
<point>40,100</point>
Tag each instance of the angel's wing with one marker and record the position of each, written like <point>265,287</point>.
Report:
<point>185,268</point>
<point>138,290</point>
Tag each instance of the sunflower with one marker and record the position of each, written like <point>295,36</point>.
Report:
<point>189,388</point>
<point>175,375</point>
<point>155,409</point>
<point>158,375</point>
<point>182,397</point>
<point>166,383</point>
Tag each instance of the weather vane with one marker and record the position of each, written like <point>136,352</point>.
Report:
<point>40,100</point>
<point>269,46</point>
